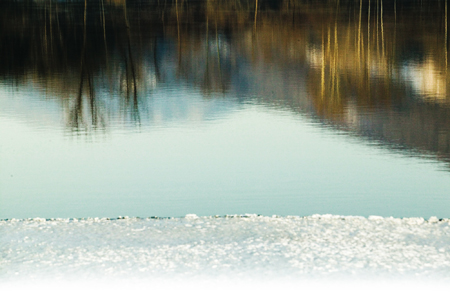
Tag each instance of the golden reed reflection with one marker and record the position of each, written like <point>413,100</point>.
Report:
<point>376,67</point>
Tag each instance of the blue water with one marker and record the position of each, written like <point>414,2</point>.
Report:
<point>222,127</point>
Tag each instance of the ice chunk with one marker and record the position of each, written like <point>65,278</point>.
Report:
<point>191,216</point>
<point>433,219</point>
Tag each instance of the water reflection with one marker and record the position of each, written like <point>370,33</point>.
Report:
<point>368,68</point>
<point>237,108</point>
<point>376,69</point>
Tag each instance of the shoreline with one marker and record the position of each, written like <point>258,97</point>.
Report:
<point>432,219</point>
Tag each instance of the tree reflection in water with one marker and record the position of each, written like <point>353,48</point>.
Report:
<point>375,68</point>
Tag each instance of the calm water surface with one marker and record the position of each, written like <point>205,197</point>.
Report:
<point>147,109</point>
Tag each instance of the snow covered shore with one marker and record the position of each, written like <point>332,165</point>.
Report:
<point>244,247</point>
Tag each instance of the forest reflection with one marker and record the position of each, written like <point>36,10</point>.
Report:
<point>377,68</point>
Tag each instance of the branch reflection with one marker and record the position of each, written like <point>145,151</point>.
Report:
<point>377,69</point>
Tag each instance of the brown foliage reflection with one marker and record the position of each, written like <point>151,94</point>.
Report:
<point>378,68</point>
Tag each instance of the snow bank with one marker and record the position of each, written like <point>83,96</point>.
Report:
<point>246,247</point>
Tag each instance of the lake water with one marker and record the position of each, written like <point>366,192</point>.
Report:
<point>171,109</point>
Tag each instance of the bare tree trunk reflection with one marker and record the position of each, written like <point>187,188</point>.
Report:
<point>256,14</point>
<point>134,103</point>
<point>77,115</point>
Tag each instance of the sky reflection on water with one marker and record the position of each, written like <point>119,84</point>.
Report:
<point>222,117</point>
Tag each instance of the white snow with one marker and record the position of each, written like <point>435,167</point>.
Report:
<point>314,247</point>
<point>318,256</point>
